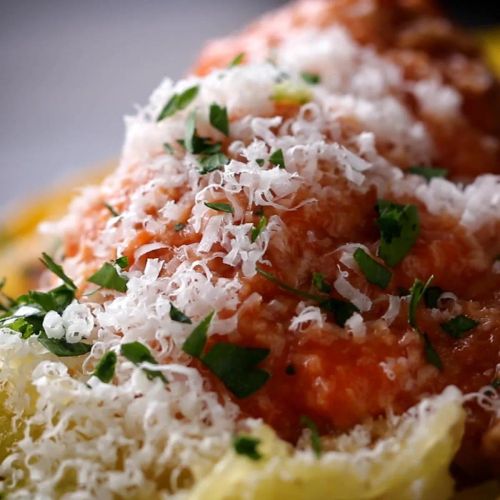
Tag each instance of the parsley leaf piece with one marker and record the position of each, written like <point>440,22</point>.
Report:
<point>63,349</point>
<point>195,343</point>
<point>179,226</point>
<point>342,310</point>
<point>308,423</point>
<point>168,148</point>
<point>122,262</point>
<point>417,291</point>
<point>428,173</point>
<point>431,296</point>
<point>213,162</point>
<point>257,229</point>
<point>178,315</point>
<point>236,367</point>
<point>288,288</point>
<point>375,273</point>
<point>247,446</point>
<point>218,118</point>
<point>193,142</point>
<point>319,282</point>
<point>220,207</point>
<point>108,277</point>
<point>49,263</point>
<point>105,369</point>
<point>431,355</point>
<point>458,326</point>
<point>277,158</point>
<point>260,162</point>
<point>178,102</point>
<point>237,60</point>
<point>495,383</point>
<point>399,228</point>
<point>311,78</point>
<point>138,353</point>
<point>111,210</point>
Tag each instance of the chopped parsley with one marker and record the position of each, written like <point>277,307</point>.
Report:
<point>431,296</point>
<point>122,262</point>
<point>105,369</point>
<point>218,118</point>
<point>178,102</point>
<point>278,159</point>
<point>194,143</point>
<point>374,272</point>
<point>220,207</point>
<point>168,148</point>
<point>399,229</point>
<point>234,365</point>
<point>311,78</point>
<point>308,423</point>
<point>290,369</point>
<point>260,162</point>
<point>111,210</point>
<point>416,293</point>
<point>247,446</point>
<point>237,60</point>
<point>210,163</point>
<point>26,314</point>
<point>178,316</point>
<point>458,326</point>
<point>258,228</point>
<point>428,173</point>
<point>49,263</point>
<point>495,383</point>
<point>138,353</point>
<point>342,310</point>
<point>195,343</point>
<point>319,282</point>
<point>179,226</point>
<point>108,277</point>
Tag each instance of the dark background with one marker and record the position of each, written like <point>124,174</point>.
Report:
<point>70,69</point>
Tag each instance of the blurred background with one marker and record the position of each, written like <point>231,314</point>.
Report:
<point>70,69</point>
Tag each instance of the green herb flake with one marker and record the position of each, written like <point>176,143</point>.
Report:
<point>213,162</point>
<point>49,263</point>
<point>260,162</point>
<point>375,273</point>
<point>109,278</point>
<point>399,229</point>
<point>310,78</point>
<point>428,173</point>
<point>308,423</point>
<point>195,343</point>
<point>220,207</point>
<point>237,60</point>
<point>138,353</point>
<point>458,326</point>
<point>288,288</point>
<point>431,355</point>
<point>179,227</point>
<point>218,118</point>
<point>417,291</point>
<point>63,349</point>
<point>278,159</point>
<point>236,367</point>
<point>122,262</point>
<point>319,282</point>
<point>111,210</point>
<point>342,310</point>
<point>178,102</point>
<point>495,383</point>
<point>247,446</point>
<point>105,369</point>
<point>258,228</point>
<point>178,316</point>
<point>168,148</point>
